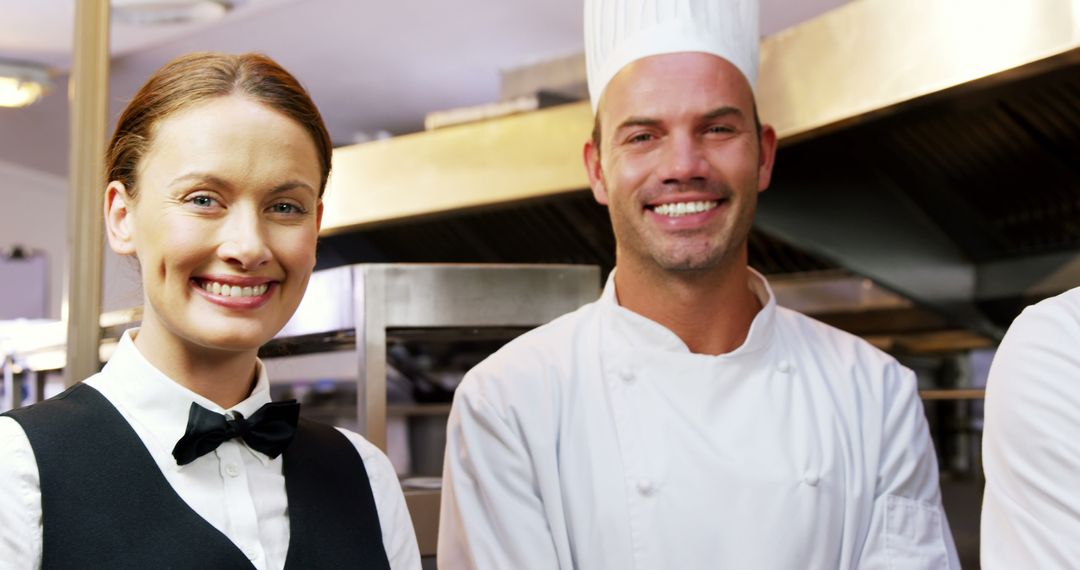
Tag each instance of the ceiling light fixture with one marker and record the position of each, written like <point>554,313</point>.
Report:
<point>169,12</point>
<point>22,83</point>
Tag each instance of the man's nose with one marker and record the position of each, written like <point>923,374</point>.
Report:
<point>683,160</point>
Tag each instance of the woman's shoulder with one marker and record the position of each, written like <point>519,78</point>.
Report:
<point>13,440</point>
<point>376,463</point>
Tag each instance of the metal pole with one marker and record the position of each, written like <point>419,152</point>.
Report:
<point>88,92</point>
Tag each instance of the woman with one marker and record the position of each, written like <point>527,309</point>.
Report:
<point>173,456</point>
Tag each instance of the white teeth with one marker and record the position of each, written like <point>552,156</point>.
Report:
<point>677,209</point>
<point>235,290</point>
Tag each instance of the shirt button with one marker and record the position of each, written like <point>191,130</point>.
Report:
<point>646,487</point>
<point>627,375</point>
<point>251,553</point>
<point>811,479</point>
<point>784,367</point>
<point>231,470</point>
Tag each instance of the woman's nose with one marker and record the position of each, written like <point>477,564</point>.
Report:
<point>243,240</point>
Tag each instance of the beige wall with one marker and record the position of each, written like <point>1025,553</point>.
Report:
<point>33,213</point>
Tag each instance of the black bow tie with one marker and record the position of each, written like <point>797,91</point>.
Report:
<point>269,430</point>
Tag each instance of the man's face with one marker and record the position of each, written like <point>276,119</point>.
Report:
<point>681,162</point>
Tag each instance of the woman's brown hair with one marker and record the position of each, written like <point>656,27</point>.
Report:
<point>199,77</point>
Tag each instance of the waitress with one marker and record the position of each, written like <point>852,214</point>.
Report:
<point>173,455</point>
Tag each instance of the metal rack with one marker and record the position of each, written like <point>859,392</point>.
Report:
<point>360,308</point>
<point>357,306</point>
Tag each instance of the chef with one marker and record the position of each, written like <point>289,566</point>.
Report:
<point>684,420</point>
<point>1031,506</point>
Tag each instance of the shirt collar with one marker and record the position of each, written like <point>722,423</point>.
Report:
<point>638,331</point>
<point>159,404</point>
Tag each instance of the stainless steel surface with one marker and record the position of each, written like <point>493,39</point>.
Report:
<point>372,299</point>
<point>89,109</point>
<point>929,146</point>
<point>866,57</point>
<point>508,159</point>
<point>907,128</point>
<point>833,293</point>
<point>372,321</point>
<point>389,297</point>
<point>853,63</point>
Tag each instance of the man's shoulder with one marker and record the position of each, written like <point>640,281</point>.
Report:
<point>1052,317</point>
<point>1038,347</point>
<point>845,358</point>
<point>530,362</point>
<point>555,339</point>
<point>819,336</point>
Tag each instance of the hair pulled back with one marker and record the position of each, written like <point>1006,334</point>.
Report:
<point>197,78</point>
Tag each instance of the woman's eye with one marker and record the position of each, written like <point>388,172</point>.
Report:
<point>202,201</point>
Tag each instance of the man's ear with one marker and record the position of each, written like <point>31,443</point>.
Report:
<point>591,154</point>
<point>766,156</point>
<point>118,221</point>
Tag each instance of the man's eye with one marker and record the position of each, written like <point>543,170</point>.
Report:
<point>203,201</point>
<point>641,137</point>
<point>721,129</point>
<point>286,208</point>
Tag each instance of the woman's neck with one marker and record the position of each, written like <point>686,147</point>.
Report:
<point>223,377</point>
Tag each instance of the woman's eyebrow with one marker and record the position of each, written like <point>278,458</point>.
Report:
<point>200,177</point>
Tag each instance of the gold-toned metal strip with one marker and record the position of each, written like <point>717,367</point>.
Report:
<point>89,109</point>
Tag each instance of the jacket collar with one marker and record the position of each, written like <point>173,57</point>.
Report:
<point>629,329</point>
<point>159,404</point>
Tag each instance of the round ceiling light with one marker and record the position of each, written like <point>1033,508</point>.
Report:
<point>169,12</point>
<point>21,83</point>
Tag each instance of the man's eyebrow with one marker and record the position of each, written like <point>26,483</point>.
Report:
<point>725,111</point>
<point>637,122</point>
<point>291,184</point>
<point>719,112</point>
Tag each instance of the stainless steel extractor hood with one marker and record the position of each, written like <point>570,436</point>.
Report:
<point>928,145</point>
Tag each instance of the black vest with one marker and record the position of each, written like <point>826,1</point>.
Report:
<point>106,504</point>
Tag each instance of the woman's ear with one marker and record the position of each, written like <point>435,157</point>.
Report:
<point>118,222</point>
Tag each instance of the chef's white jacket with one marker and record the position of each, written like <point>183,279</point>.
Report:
<point>600,441</point>
<point>239,491</point>
<point>1031,441</point>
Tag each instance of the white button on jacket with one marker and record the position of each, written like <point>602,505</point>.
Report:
<point>600,442</point>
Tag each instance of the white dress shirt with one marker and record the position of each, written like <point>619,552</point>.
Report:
<point>1031,441</point>
<point>241,492</point>
<point>600,441</point>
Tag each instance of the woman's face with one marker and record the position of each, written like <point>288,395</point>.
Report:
<point>224,223</point>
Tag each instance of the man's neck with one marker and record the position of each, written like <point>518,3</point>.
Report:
<point>711,311</point>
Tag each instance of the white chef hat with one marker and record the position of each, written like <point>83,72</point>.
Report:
<point>618,32</point>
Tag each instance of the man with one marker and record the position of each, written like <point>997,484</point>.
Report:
<point>684,420</point>
<point>1031,509</point>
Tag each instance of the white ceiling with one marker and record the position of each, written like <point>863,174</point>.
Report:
<point>370,64</point>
